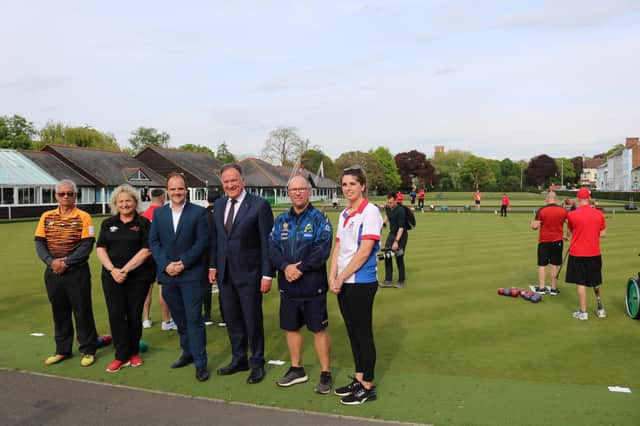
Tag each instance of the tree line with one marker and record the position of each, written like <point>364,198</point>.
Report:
<point>452,170</point>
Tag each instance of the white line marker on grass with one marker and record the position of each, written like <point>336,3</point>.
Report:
<point>619,389</point>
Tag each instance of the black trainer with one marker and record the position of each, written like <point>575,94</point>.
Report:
<point>347,390</point>
<point>293,376</point>
<point>360,396</point>
<point>554,291</point>
<point>541,290</point>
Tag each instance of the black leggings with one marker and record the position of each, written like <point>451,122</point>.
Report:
<point>356,306</point>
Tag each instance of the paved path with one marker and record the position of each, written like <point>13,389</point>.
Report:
<point>36,399</point>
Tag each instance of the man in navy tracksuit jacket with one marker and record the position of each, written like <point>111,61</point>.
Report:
<point>299,247</point>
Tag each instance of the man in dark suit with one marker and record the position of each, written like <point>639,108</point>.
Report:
<point>239,261</point>
<point>178,239</point>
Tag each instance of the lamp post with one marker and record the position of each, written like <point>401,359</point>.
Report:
<point>520,177</point>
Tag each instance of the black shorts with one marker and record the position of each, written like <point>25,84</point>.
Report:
<point>312,312</point>
<point>550,253</point>
<point>477,202</point>
<point>585,271</point>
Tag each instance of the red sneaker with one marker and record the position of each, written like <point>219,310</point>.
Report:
<point>115,365</point>
<point>135,361</point>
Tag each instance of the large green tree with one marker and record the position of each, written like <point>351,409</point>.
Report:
<point>476,172</point>
<point>578,166</point>
<point>311,160</point>
<point>143,137</point>
<point>224,155</point>
<point>85,137</point>
<point>389,168</point>
<point>566,171</point>
<point>508,176</point>
<point>16,132</point>
<point>449,165</point>
<point>369,163</point>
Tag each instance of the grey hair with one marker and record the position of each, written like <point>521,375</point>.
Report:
<point>67,182</point>
<point>128,189</point>
<point>306,181</point>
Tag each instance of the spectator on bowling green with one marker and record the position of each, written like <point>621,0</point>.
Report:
<point>127,273</point>
<point>353,277</point>
<point>550,221</point>
<point>158,198</point>
<point>504,205</point>
<point>64,239</point>
<point>586,225</point>
<point>477,197</point>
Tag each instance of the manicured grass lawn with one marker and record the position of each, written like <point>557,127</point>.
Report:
<point>450,350</point>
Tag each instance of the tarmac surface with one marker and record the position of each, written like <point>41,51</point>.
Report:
<point>37,399</point>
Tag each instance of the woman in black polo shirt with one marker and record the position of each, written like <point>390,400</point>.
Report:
<point>127,273</point>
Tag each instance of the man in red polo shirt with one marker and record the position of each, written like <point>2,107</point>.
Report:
<point>550,220</point>
<point>504,205</point>
<point>586,225</point>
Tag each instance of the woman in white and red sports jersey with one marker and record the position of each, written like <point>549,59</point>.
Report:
<point>353,277</point>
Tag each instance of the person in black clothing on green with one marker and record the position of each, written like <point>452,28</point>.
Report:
<point>397,239</point>
<point>127,273</point>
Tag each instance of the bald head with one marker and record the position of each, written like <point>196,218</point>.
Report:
<point>299,193</point>
<point>298,182</point>
<point>551,197</point>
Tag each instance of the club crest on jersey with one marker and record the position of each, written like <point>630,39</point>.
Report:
<point>308,228</point>
<point>284,234</point>
<point>113,228</point>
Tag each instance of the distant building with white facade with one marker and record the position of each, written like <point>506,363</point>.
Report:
<point>616,173</point>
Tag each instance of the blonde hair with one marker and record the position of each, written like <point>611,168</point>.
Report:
<point>127,189</point>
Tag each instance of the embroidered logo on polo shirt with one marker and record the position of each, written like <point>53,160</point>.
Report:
<point>113,228</point>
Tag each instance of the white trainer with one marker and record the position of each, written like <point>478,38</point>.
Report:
<point>166,326</point>
<point>582,316</point>
<point>601,313</point>
<point>147,323</point>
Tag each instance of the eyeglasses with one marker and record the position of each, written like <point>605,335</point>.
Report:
<point>68,194</point>
<point>297,190</point>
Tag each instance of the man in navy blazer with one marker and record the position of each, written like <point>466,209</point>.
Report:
<point>178,238</point>
<point>239,261</point>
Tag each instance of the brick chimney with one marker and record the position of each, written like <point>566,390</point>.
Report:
<point>631,142</point>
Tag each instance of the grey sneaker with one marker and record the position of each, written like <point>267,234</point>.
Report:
<point>386,284</point>
<point>601,313</point>
<point>324,385</point>
<point>583,316</point>
<point>293,377</point>
<point>399,284</point>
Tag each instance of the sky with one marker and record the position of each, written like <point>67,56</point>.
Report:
<point>501,79</point>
